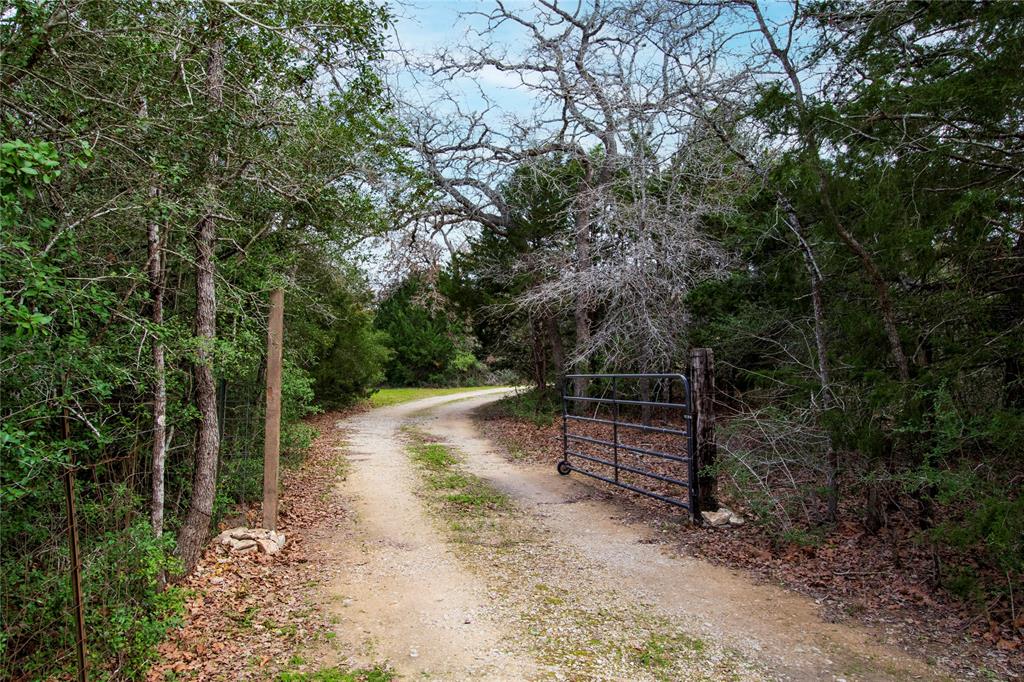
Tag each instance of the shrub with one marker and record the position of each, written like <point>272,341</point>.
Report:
<point>127,613</point>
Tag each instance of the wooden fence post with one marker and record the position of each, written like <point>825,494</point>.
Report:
<point>702,383</point>
<point>272,431</point>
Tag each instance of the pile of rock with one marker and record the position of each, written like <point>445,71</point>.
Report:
<point>723,517</point>
<point>244,540</point>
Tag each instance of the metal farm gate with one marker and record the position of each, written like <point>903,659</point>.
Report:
<point>633,431</point>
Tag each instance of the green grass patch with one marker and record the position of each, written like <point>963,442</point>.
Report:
<point>454,492</point>
<point>394,396</point>
<point>434,456</point>
<point>475,496</point>
<point>450,481</point>
<point>661,651</point>
<point>653,653</point>
<point>375,674</point>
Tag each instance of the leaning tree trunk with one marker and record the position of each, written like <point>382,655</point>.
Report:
<point>831,456</point>
<point>812,150</point>
<point>824,373</point>
<point>204,480</point>
<point>886,310</point>
<point>874,518</point>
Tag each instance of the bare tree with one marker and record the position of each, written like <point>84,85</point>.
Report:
<point>638,185</point>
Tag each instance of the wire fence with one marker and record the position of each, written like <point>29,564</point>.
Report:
<point>241,419</point>
<point>121,562</point>
<point>38,608</point>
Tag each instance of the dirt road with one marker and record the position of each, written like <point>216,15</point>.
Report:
<point>555,587</point>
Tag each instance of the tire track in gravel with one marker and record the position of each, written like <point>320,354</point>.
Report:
<point>400,595</point>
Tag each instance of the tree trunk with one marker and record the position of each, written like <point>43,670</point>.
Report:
<point>557,352</point>
<point>204,480</point>
<point>158,452</point>
<point>812,151</point>
<point>831,456</point>
<point>874,509</point>
<point>159,449</point>
<point>885,306</point>
<point>1013,365</point>
<point>582,319</point>
<point>540,369</point>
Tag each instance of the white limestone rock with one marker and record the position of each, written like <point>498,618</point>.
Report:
<point>719,518</point>
<point>246,540</point>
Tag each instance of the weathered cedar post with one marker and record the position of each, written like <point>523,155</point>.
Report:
<point>702,383</point>
<point>272,430</point>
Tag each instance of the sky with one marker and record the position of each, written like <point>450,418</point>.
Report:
<point>422,27</point>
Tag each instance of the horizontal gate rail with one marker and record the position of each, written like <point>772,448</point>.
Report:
<point>681,406</point>
<point>628,425</point>
<point>636,489</point>
<point>630,448</point>
<point>573,459</point>
<point>626,467</point>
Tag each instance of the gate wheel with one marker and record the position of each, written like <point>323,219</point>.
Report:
<point>564,468</point>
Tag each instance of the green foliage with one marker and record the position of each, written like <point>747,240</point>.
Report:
<point>429,346</point>
<point>939,218</point>
<point>296,438</point>
<point>343,350</point>
<point>981,511</point>
<point>297,397</point>
<point>538,407</point>
<point>127,611</point>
